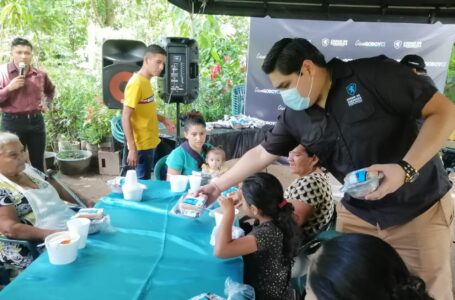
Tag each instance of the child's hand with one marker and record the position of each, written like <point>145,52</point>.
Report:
<point>236,198</point>
<point>226,204</point>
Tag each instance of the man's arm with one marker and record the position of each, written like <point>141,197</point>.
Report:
<point>48,89</point>
<point>129,138</point>
<point>439,121</point>
<point>251,162</point>
<point>168,123</point>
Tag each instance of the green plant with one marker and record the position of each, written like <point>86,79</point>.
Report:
<point>70,154</point>
<point>74,91</point>
<point>450,85</point>
<point>97,123</point>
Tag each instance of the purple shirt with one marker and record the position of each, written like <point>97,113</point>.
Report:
<point>26,99</point>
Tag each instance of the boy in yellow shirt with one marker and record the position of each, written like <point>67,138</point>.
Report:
<point>139,116</point>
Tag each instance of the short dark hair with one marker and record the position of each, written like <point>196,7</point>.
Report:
<point>193,118</point>
<point>287,56</point>
<point>21,42</point>
<point>154,49</point>
<point>414,61</point>
<point>359,266</point>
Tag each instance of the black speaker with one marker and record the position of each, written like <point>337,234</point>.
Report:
<point>121,58</point>
<point>180,83</point>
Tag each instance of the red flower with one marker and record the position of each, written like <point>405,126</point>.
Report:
<point>215,70</point>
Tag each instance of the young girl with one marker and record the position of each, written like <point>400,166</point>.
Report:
<point>268,250</point>
<point>189,156</point>
<point>214,162</point>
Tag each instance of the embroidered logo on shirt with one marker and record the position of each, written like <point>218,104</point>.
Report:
<point>147,100</point>
<point>351,89</point>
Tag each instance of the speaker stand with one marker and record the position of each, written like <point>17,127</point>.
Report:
<point>177,125</point>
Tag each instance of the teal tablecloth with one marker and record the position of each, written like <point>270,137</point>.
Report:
<point>152,254</point>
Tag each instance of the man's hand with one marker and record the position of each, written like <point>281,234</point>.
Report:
<point>393,179</point>
<point>132,157</point>
<point>169,125</point>
<point>16,83</point>
<point>212,192</point>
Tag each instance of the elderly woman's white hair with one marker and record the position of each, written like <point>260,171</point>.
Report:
<point>7,137</point>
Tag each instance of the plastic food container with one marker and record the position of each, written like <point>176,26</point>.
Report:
<point>115,185</point>
<point>360,183</point>
<point>190,206</point>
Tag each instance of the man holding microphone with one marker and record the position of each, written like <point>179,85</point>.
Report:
<point>24,93</point>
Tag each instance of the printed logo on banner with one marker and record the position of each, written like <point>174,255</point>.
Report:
<point>359,43</point>
<point>412,44</point>
<point>351,89</point>
<point>266,91</point>
<point>397,44</point>
<point>407,44</point>
<point>325,42</point>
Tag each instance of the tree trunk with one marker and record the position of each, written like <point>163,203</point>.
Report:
<point>110,16</point>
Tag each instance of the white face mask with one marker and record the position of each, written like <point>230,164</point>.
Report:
<point>293,99</point>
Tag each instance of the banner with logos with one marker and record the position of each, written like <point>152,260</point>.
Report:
<point>345,40</point>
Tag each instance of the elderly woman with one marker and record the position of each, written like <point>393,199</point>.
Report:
<point>30,208</point>
<point>310,193</point>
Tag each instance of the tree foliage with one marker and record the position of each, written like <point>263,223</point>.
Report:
<point>62,33</point>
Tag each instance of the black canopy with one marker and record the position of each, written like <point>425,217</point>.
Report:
<point>411,11</point>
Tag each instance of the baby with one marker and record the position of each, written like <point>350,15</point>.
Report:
<point>214,161</point>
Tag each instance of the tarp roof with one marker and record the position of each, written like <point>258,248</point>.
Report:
<point>411,11</point>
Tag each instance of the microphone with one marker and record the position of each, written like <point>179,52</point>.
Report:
<point>21,69</point>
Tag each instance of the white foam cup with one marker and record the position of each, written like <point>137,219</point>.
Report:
<point>218,214</point>
<point>131,177</point>
<point>195,182</point>
<point>80,226</point>
<point>62,247</point>
<point>178,183</point>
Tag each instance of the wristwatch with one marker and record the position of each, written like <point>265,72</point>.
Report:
<point>411,174</point>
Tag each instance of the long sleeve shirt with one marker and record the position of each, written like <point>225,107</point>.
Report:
<point>26,99</point>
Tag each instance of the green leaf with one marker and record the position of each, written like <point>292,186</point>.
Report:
<point>215,55</point>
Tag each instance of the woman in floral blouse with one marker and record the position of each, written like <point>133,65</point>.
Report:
<point>30,208</point>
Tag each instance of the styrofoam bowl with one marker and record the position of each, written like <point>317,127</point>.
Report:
<point>62,253</point>
<point>133,192</point>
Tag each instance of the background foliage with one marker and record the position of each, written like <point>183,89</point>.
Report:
<point>68,35</point>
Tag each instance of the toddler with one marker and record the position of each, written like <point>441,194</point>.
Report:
<point>214,162</point>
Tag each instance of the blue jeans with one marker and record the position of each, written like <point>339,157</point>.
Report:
<point>144,165</point>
